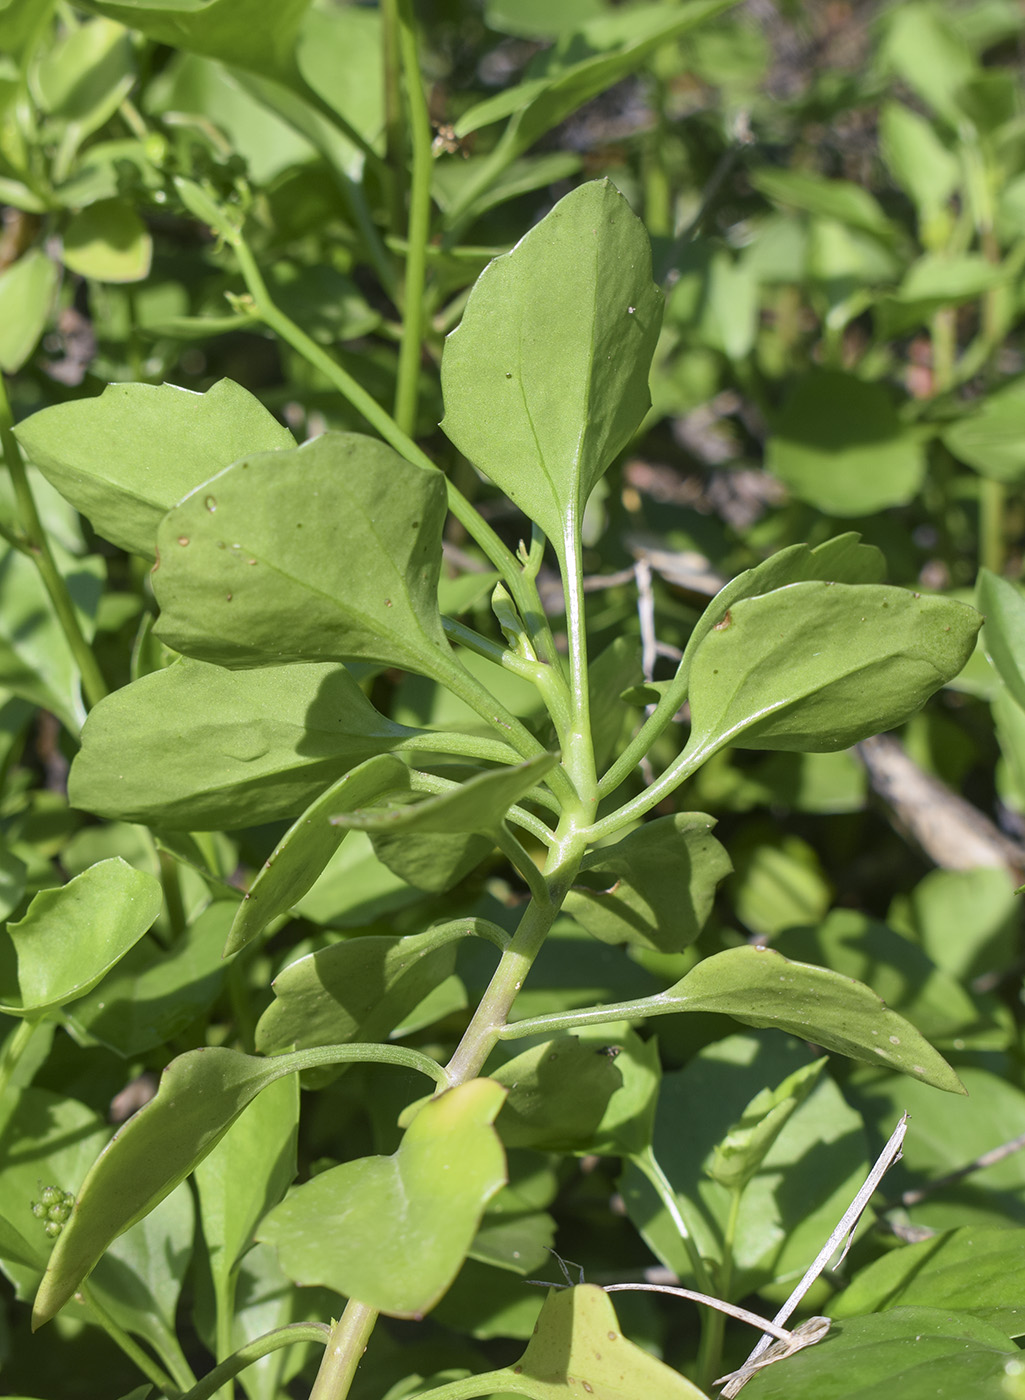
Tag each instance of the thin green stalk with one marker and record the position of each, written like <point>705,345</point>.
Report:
<point>93,684</point>
<point>472,521</point>
<point>547,679</point>
<point>578,748</point>
<point>687,763</point>
<point>713,1326</point>
<point>394,135</point>
<point>14,1048</point>
<point>413,310</point>
<point>292,1335</point>
<point>647,1163</point>
<point>167,1384</point>
<point>225,1308</point>
<point>344,1351</point>
<point>992,544</point>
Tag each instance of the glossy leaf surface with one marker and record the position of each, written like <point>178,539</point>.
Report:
<point>201,1094</point>
<point>817,666</point>
<point>73,935</point>
<point>330,552</point>
<point>126,457</point>
<point>394,1231</point>
<point>546,378</point>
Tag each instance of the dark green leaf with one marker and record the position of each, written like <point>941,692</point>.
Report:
<point>72,936</point>
<point>818,666</point>
<point>394,1231</point>
<point>330,552</point>
<point>916,1353</point>
<point>125,458</point>
<point>546,378</point>
<point>198,747</point>
<point>655,888</point>
<point>744,1148</point>
<point>478,804</point>
<point>976,1272</point>
<point>1003,635</point>
<point>989,436</point>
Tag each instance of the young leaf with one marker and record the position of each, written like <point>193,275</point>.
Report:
<point>394,1231</point>
<point>558,1094</point>
<point>330,552</point>
<point>302,853</point>
<point>125,458</point>
<point>741,1152</point>
<point>815,667</point>
<point>201,1094</point>
<point>72,936</point>
<point>654,889</point>
<point>546,378</point>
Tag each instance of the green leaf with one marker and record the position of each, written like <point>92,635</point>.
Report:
<point>1003,634</point>
<point>898,969</point>
<point>292,868</point>
<point>559,1092</point>
<point>330,552</point>
<point>546,378</point>
<point>807,1178</point>
<point>394,1231</point>
<point>815,667</point>
<point>36,661</point>
<point>918,159</point>
<point>108,242</point>
<point>841,200</point>
<point>975,1272</point>
<point>478,804</point>
<point>155,993</point>
<point>240,32</point>
<point>359,989</point>
<point>759,987</point>
<point>247,1174</point>
<point>916,1353</point>
<point>655,887</point>
<point>72,936</point>
<point>628,1122</point>
<point>578,1347</point>
<point>201,1094</point>
<point>838,444</point>
<point>989,437</point>
<point>84,76</point>
<point>27,289</point>
<point>742,1151</point>
<point>196,747</point>
<point>125,458</point>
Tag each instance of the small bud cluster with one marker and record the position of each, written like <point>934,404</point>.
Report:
<point>53,1207</point>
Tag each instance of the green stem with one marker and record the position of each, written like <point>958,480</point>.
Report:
<point>647,1163</point>
<point>413,313</point>
<point>992,502</point>
<point>344,1351</point>
<point>93,684</point>
<point>14,1047</point>
<point>165,1383</point>
<point>224,1288</point>
<point>472,521</point>
<point>578,747</point>
<point>547,679</point>
<point>713,1326</point>
<point>687,763</point>
<point>292,1335</point>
